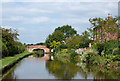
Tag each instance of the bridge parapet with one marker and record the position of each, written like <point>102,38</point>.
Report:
<point>31,48</point>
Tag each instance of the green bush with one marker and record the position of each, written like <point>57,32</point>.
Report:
<point>90,53</point>
<point>116,51</point>
<point>99,47</point>
<point>4,50</point>
<point>116,58</point>
<point>97,60</point>
<point>66,55</point>
<point>110,45</point>
<point>62,46</point>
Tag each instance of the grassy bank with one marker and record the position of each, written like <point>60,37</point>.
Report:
<point>10,60</point>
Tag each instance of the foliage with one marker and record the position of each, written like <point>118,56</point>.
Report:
<point>63,46</point>
<point>109,25</point>
<point>35,44</point>
<point>68,38</point>
<point>67,30</point>
<point>56,36</point>
<point>116,51</point>
<point>4,50</point>
<point>10,44</point>
<point>76,42</point>
<point>54,44</point>
<point>48,41</point>
<point>90,53</point>
<point>99,47</point>
<point>73,42</point>
<point>110,45</point>
<point>85,39</point>
<point>66,56</point>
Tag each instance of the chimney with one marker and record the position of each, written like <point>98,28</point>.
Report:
<point>109,16</point>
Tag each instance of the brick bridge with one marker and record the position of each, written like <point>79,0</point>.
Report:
<point>31,48</point>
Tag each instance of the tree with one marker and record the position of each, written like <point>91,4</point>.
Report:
<point>73,42</point>
<point>80,41</point>
<point>54,44</point>
<point>9,42</point>
<point>57,36</point>
<point>85,39</point>
<point>4,50</point>
<point>40,43</point>
<point>102,27</point>
<point>67,30</point>
<point>48,41</point>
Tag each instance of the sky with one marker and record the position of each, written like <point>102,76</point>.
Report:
<point>35,20</point>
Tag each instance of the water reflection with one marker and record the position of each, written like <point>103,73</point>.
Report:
<point>61,71</point>
<point>36,68</point>
<point>71,71</point>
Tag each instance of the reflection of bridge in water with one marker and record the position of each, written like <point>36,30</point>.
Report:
<point>45,57</point>
<point>31,48</point>
<point>46,50</point>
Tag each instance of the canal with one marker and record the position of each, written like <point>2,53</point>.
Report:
<point>37,68</point>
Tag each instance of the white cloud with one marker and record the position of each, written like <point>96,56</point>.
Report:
<point>37,20</point>
<point>60,0</point>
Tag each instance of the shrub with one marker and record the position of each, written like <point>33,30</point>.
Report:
<point>66,55</point>
<point>97,60</point>
<point>73,56</point>
<point>99,47</point>
<point>116,51</point>
<point>89,54</point>
<point>4,50</point>
<point>116,58</point>
<point>110,45</point>
<point>64,51</point>
<point>62,46</point>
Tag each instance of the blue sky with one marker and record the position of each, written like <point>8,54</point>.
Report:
<point>36,20</point>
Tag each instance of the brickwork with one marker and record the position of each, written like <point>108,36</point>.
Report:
<point>31,48</point>
<point>103,35</point>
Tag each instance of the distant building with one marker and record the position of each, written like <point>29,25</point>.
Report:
<point>103,35</point>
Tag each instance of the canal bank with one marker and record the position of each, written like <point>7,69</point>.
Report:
<point>10,62</point>
<point>38,68</point>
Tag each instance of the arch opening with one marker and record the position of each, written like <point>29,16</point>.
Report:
<point>39,52</point>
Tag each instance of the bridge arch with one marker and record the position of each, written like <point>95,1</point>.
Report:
<point>31,48</point>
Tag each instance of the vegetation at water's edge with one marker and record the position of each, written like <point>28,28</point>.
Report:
<point>102,54</point>
<point>65,40</point>
<point>69,71</point>
<point>66,56</point>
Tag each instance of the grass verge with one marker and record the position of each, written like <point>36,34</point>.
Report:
<point>8,61</point>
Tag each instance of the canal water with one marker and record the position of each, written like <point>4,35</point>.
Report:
<point>37,68</point>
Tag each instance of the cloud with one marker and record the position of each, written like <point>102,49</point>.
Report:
<point>60,0</point>
<point>38,20</point>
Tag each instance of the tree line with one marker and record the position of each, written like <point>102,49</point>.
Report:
<point>10,43</point>
<point>67,37</point>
